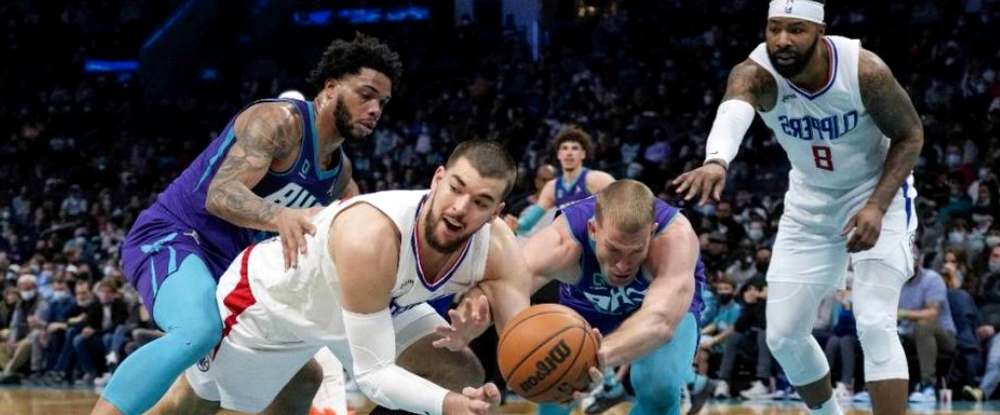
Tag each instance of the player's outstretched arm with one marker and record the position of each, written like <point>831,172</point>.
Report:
<point>504,291</point>
<point>749,88</point>
<point>507,284</point>
<point>552,254</point>
<point>265,132</point>
<point>532,214</point>
<point>672,258</point>
<point>891,109</point>
<point>364,245</point>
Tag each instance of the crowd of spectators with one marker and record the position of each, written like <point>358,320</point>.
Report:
<point>83,154</point>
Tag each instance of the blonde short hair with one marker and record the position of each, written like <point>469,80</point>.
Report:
<point>628,205</point>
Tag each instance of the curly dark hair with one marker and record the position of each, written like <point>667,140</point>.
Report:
<point>573,133</point>
<point>343,57</point>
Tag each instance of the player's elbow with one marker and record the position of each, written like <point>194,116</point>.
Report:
<point>661,333</point>
<point>212,198</point>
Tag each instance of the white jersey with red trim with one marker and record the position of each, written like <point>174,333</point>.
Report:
<point>830,139</point>
<point>307,298</point>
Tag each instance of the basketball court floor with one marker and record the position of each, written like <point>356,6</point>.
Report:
<point>59,401</point>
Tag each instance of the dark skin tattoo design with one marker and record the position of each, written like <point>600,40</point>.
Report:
<point>264,133</point>
<point>891,109</point>
<point>751,83</point>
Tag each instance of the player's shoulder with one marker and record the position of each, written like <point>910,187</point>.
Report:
<point>751,82</point>
<point>598,180</point>
<point>280,119</point>
<point>363,225</point>
<point>871,67</point>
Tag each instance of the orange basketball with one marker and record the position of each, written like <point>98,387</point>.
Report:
<point>546,352</point>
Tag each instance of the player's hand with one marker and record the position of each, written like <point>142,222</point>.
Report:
<point>596,373</point>
<point>866,225</point>
<point>708,180</point>
<point>468,321</point>
<point>87,331</point>
<point>477,401</point>
<point>292,226</point>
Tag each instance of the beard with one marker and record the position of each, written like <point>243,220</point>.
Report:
<point>342,119</point>
<point>799,63</point>
<point>431,223</point>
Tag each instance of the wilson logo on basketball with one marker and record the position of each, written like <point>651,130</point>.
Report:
<point>557,355</point>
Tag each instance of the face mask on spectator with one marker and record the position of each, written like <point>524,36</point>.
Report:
<point>956,237</point>
<point>60,295</point>
<point>954,160</point>
<point>992,240</point>
<point>755,234</point>
<point>725,298</point>
<point>994,265</point>
<point>27,295</point>
<point>984,173</point>
<point>762,266</point>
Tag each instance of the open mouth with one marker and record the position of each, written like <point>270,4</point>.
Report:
<point>451,224</point>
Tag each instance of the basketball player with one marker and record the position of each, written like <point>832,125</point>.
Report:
<point>576,182</point>
<point>275,159</point>
<point>852,137</point>
<point>375,262</point>
<point>628,263</point>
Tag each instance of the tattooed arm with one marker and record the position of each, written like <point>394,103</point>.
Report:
<point>895,117</point>
<point>750,88</point>
<point>264,133</point>
<point>751,83</point>
<point>893,113</point>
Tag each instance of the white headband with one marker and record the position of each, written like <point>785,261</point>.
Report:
<point>797,9</point>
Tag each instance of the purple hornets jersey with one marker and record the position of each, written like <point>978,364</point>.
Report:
<point>603,305</point>
<point>569,193</point>
<point>177,224</point>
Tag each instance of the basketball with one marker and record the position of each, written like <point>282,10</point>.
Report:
<point>546,352</point>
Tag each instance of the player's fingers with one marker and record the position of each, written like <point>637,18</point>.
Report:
<point>681,182</point>
<point>479,407</point>
<point>301,238</point>
<point>850,225</point>
<point>694,186</point>
<point>707,191</point>
<point>308,228</point>
<point>294,245</point>
<point>597,335</point>
<point>717,188</point>
<point>596,376</point>
<point>285,248</point>
<point>492,393</point>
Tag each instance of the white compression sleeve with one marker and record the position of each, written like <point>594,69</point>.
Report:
<point>373,347</point>
<point>730,125</point>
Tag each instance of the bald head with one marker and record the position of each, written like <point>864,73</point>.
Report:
<point>626,205</point>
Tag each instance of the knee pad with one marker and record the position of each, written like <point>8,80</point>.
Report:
<point>789,332</point>
<point>876,299</point>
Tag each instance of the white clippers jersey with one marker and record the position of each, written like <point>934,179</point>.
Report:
<point>830,139</point>
<point>308,297</point>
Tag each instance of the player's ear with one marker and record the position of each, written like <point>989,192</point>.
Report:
<point>821,28</point>
<point>592,228</point>
<point>438,176</point>
<point>497,210</point>
<point>653,228</point>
